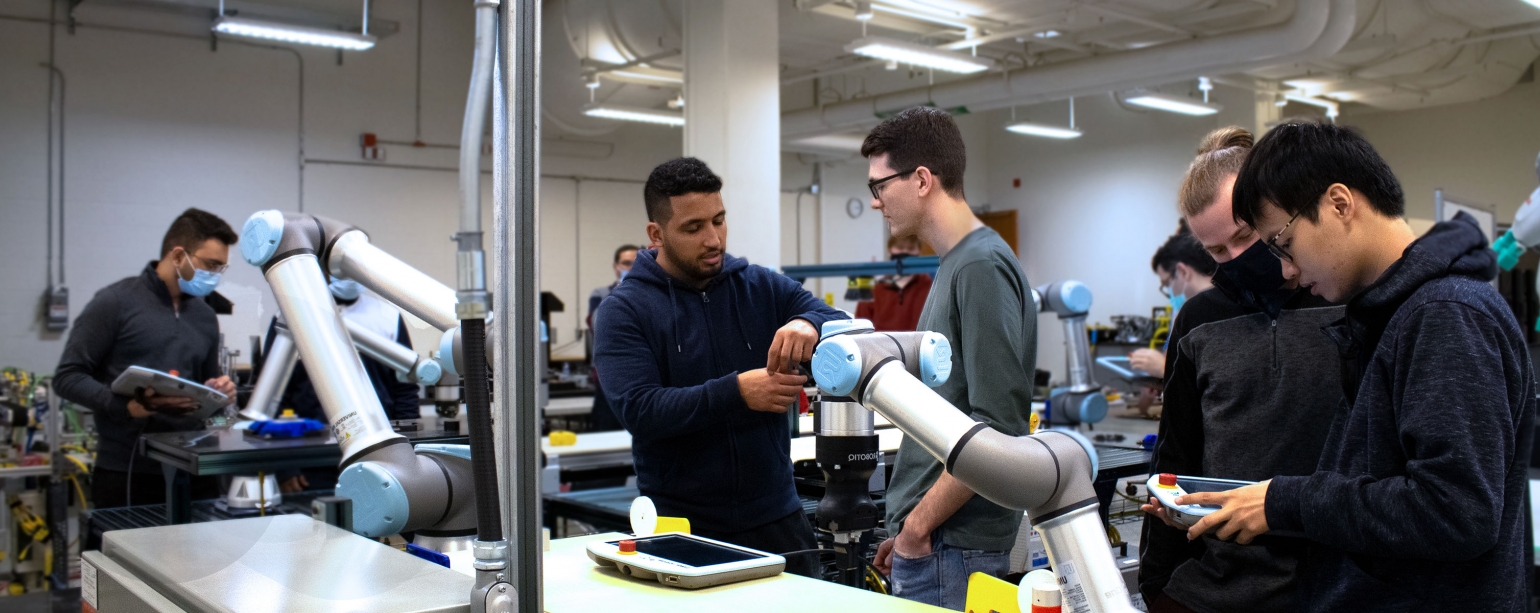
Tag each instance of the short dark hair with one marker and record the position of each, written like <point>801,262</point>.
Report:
<point>1183,248</point>
<point>1293,164</point>
<point>193,228</point>
<point>623,249</point>
<point>922,136</point>
<point>677,177</point>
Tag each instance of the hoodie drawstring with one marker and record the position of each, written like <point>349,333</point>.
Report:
<point>673,306</point>
<point>732,281</point>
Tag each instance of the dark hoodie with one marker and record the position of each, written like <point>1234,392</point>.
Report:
<point>668,357</point>
<point>1418,504</point>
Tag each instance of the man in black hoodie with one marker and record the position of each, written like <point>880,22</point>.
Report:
<point>1417,504</point>
<point>681,347</point>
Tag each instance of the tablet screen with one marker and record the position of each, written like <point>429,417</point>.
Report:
<point>1193,487</point>
<point>688,551</point>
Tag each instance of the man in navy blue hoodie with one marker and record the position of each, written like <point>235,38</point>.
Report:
<point>697,352</point>
<point>1418,501</point>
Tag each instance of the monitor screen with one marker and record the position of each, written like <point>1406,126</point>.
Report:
<point>688,551</point>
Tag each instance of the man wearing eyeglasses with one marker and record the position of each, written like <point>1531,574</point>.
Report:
<point>156,320</point>
<point>980,300</point>
<point>1418,500</point>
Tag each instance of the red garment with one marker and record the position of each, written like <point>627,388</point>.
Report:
<point>895,310</point>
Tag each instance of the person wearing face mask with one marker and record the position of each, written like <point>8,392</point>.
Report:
<point>897,301</point>
<point>400,399</point>
<point>698,353</point>
<point>160,320</point>
<point>602,417</point>
<point>1250,392</point>
<point>1184,270</point>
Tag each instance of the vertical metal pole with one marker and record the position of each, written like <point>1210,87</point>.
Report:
<point>516,173</point>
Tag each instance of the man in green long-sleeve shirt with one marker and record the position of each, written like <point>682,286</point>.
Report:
<point>981,301</point>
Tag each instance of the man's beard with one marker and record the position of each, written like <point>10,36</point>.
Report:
<point>694,269</point>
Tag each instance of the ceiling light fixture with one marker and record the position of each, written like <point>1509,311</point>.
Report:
<point>632,113</point>
<point>282,32</point>
<point>918,55</point>
<point>659,77</point>
<point>1174,104</point>
<point>1332,110</point>
<point>1045,130</point>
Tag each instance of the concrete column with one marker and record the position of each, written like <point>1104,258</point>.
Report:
<point>732,115</point>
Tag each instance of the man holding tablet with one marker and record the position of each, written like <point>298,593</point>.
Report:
<point>157,320</point>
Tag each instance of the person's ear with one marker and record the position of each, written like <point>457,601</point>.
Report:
<point>1338,202</point>
<point>927,182</point>
<point>654,233</point>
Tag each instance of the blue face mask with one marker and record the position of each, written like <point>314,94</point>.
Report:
<point>623,274</point>
<point>202,282</point>
<point>1176,303</point>
<point>344,289</point>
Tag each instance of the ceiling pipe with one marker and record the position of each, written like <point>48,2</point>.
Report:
<point>1318,29</point>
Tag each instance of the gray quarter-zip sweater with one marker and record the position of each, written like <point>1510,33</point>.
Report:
<point>131,323</point>
<point>1248,398</point>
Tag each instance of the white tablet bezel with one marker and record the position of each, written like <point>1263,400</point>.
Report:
<point>664,566</point>
<point>209,399</point>
<point>1185,514</point>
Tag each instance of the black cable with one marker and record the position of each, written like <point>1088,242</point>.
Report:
<point>478,401</point>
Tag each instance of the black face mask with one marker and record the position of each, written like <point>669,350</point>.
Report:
<point>898,257</point>
<point>1255,278</point>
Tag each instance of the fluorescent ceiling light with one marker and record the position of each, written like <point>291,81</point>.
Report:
<point>1535,3</point>
<point>661,76</point>
<point>282,32</point>
<point>1174,104</point>
<point>1037,129</point>
<point>837,142</point>
<point>632,113</point>
<point>918,55</point>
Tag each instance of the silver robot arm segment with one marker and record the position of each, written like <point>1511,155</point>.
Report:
<point>393,488</point>
<point>1082,401</point>
<point>1048,473</point>
<point>279,367</point>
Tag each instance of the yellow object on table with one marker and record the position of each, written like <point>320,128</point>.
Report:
<point>574,583</point>
<point>987,594</point>
<point>563,438</point>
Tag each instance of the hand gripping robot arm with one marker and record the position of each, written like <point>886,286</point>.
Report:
<point>394,487</point>
<point>1048,473</point>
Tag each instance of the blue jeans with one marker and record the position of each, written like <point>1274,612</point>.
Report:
<point>941,578</point>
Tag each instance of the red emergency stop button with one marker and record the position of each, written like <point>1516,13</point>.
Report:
<point>1167,480</point>
<point>628,547</point>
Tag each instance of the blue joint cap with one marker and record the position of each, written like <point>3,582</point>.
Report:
<point>429,372</point>
<point>1508,250</point>
<point>1085,443</point>
<point>260,236</point>
<point>1075,296</point>
<point>380,507</point>
<point>446,351</point>
<point>1092,408</point>
<point>843,326</point>
<point>837,366</point>
<point>458,451</point>
<point>935,359</point>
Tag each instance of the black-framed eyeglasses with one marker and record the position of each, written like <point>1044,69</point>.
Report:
<point>875,183</point>
<point>1272,243</point>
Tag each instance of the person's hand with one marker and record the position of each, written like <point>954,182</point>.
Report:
<point>1160,512</point>
<point>793,344</point>
<point>223,385</point>
<point>149,402</point>
<point>883,561</point>
<point>297,483</point>
<point>771,392</point>
<point>911,544</point>
<point>1242,513</point>
<point>1148,360</point>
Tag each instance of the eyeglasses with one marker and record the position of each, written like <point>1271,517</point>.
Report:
<point>875,183</point>
<point>1272,243</point>
<point>213,269</point>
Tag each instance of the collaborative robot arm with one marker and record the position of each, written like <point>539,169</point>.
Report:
<point>1525,233</point>
<point>1082,401</point>
<point>410,366</point>
<point>394,487</point>
<point>1048,473</point>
